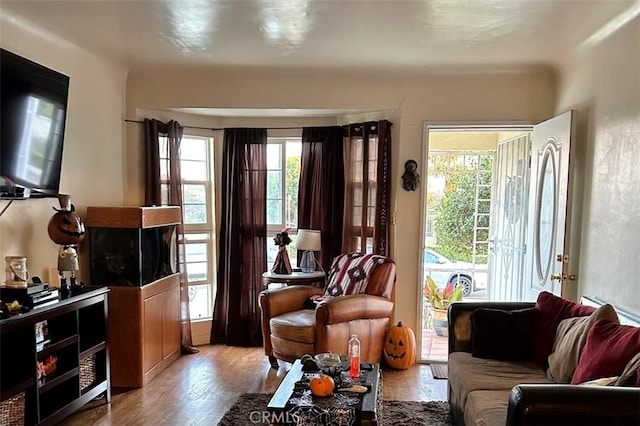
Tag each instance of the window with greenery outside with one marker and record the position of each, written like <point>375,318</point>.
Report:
<point>282,192</point>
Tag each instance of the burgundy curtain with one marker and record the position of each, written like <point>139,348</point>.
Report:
<point>321,188</point>
<point>367,157</point>
<point>152,190</point>
<point>153,197</point>
<point>243,238</point>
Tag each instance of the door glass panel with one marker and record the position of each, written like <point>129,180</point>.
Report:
<point>546,215</point>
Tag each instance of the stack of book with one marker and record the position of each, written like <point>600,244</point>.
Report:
<point>32,296</point>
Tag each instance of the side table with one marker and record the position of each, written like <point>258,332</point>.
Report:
<point>316,278</point>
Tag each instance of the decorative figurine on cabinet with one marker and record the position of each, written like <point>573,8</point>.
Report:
<point>67,229</point>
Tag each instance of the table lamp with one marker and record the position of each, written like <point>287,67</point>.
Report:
<point>308,240</point>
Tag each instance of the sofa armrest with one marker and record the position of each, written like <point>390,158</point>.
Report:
<point>557,404</point>
<point>459,320</point>
<point>353,307</point>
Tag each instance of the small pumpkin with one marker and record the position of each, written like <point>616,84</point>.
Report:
<point>399,348</point>
<point>322,385</point>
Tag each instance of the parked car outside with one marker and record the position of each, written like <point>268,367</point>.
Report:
<point>443,270</point>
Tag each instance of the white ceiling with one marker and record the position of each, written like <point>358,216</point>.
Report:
<point>416,34</point>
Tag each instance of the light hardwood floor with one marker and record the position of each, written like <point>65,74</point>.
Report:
<point>198,389</point>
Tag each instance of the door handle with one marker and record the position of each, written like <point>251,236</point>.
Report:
<point>558,277</point>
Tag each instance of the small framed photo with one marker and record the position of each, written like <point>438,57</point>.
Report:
<point>42,332</point>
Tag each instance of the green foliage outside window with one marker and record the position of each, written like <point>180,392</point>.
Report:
<point>195,203</point>
<point>274,194</point>
<point>292,181</point>
<point>455,210</point>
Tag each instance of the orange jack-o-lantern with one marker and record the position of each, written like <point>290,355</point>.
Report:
<point>322,385</point>
<point>65,228</point>
<point>399,347</point>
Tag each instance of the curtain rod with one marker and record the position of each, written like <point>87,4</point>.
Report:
<point>215,128</point>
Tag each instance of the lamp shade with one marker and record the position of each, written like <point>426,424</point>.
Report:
<point>308,239</point>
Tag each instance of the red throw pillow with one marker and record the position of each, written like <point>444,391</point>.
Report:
<point>551,310</point>
<point>608,350</point>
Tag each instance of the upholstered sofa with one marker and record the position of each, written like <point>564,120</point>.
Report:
<point>513,363</point>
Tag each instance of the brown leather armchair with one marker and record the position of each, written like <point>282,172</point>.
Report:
<point>290,330</point>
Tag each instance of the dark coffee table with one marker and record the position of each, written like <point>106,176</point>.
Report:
<point>287,402</point>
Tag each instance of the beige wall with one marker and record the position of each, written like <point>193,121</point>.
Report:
<point>407,100</point>
<point>602,82</point>
<point>102,162</point>
<point>92,169</point>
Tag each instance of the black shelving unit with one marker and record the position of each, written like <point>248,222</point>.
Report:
<point>76,339</point>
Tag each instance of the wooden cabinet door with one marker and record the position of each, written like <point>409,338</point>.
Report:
<point>171,322</point>
<point>153,313</point>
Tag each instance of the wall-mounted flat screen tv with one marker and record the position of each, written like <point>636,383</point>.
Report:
<point>33,112</point>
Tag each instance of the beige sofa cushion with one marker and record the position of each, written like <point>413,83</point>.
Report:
<point>486,408</point>
<point>629,376</point>
<point>468,374</point>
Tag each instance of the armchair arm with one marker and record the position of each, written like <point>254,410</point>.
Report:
<point>573,405</point>
<point>459,320</point>
<point>274,302</point>
<point>353,307</point>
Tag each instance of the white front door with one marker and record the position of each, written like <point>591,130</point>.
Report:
<point>549,211</point>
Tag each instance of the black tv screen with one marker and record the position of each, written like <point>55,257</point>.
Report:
<point>33,112</point>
